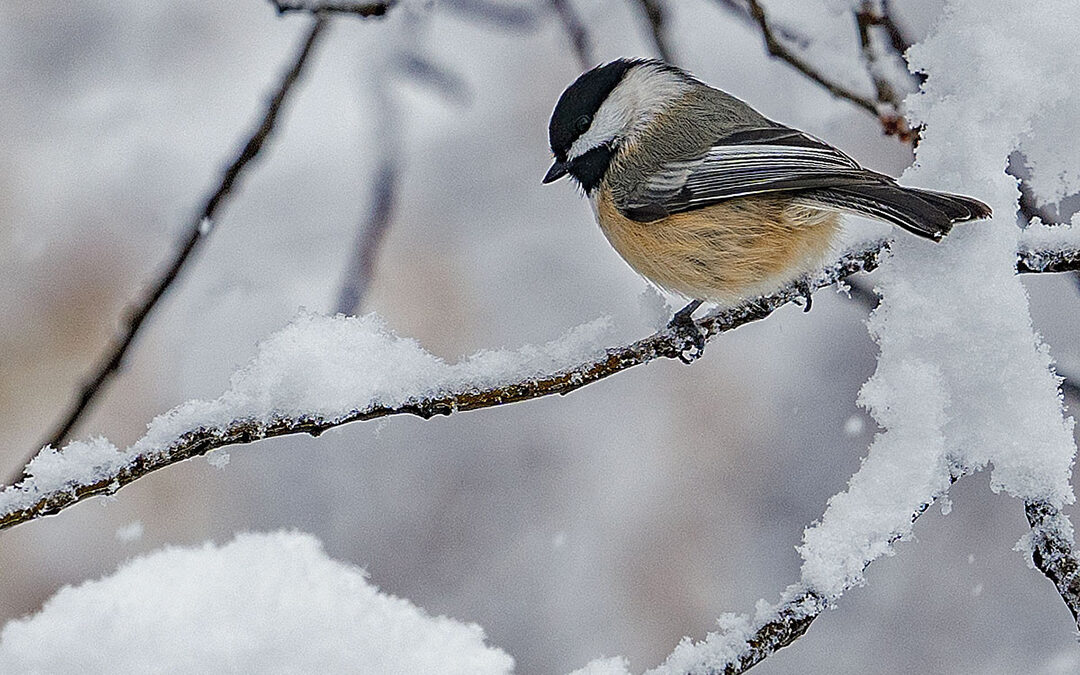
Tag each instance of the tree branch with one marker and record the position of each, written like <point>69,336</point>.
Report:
<point>1052,552</point>
<point>572,24</point>
<point>369,239</point>
<point>363,9</point>
<point>778,49</point>
<point>28,502</point>
<point>201,226</point>
<point>654,14</point>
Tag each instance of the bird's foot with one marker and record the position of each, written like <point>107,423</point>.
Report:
<point>807,294</point>
<point>691,339</point>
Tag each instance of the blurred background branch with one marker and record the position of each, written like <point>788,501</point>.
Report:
<point>575,30</point>
<point>363,9</point>
<point>136,314</point>
<point>653,11</point>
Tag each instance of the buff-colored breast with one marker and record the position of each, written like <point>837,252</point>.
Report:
<point>726,252</point>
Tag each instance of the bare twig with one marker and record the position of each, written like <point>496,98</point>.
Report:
<point>363,9</point>
<point>865,17</point>
<point>778,49</point>
<point>898,37</point>
<point>654,14</point>
<point>362,264</point>
<point>137,313</point>
<point>739,9</point>
<point>666,343</point>
<point>572,24</point>
<point>1052,552</point>
<point>503,15</point>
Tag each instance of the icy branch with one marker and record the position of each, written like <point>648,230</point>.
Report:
<point>1052,552</point>
<point>654,14</point>
<point>57,480</point>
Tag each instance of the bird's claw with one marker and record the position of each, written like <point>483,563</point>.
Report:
<point>807,294</point>
<point>690,338</point>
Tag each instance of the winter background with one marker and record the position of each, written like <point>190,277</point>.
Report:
<point>613,521</point>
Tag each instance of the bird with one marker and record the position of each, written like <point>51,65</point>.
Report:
<point>708,198</point>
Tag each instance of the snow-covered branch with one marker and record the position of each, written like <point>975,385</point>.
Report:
<point>1052,551</point>
<point>56,479</point>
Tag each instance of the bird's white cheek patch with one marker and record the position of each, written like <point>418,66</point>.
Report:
<point>643,93</point>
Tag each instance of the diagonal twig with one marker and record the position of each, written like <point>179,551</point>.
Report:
<point>1052,552</point>
<point>201,226</point>
<point>575,29</point>
<point>361,267</point>
<point>363,9</point>
<point>654,14</point>
<point>778,49</point>
<point>26,502</point>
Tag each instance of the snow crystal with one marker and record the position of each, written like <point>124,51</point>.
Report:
<point>263,603</point>
<point>317,366</point>
<point>219,459</point>
<point>133,531</point>
<point>854,425</point>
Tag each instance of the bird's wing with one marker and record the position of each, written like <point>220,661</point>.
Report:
<point>747,162</point>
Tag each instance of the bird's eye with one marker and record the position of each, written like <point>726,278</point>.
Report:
<point>582,123</point>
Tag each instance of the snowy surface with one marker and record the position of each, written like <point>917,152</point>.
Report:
<point>962,380</point>
<point>262,603</point>
<point>316,367</point>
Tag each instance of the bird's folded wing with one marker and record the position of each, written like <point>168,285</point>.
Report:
<point>747,162</point>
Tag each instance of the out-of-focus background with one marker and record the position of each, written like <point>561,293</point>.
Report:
<point>612,521</point>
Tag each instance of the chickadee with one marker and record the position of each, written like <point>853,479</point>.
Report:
<point>706,197</point>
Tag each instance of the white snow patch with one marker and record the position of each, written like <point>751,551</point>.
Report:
<point>616,665</point>
<point>317,366</point>
<point>263,603</point>
<point>962,380</point>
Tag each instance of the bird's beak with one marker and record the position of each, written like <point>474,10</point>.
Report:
<point>557,171</point>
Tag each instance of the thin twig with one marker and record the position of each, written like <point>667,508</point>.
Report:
<point>864,19</point>
<point>1052,552</point>
<point>363,9</point>
<point>201,226</point>
<point>35,503</point>
<point>654,14</point>
<point>368,240</point>
<point>898,37</point>
<point>575,29</point>
<point>778,49</point>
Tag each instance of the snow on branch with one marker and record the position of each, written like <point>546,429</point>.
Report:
<point>323,372</point>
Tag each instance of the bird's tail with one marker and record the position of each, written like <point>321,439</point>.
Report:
<point>923,212</point>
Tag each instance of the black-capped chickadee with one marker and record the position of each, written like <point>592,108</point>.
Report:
<point>706,197</point>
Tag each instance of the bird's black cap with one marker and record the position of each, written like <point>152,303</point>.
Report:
<point>580,102</point>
